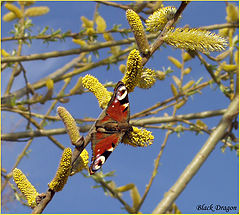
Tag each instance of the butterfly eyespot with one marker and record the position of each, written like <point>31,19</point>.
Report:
<point>98,163</point>
<point>122,93</point>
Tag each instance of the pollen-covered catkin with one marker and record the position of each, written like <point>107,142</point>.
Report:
<point>134,70</point>
<point>63,171</point>
<point>138,31</point>
<point>27,189</point>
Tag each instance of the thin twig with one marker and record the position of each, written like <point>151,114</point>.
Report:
<point>58,75</point>
<point>54,54</point>
<point>140,122</point>
<point>199,158</point>
<point>115,194</point>
<point>156,165</point>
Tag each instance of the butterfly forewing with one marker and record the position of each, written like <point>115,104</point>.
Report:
<point>118,107</point>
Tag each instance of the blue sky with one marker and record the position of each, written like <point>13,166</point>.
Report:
<point>215,183</point>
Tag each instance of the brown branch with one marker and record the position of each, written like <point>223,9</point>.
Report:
<point>53,54</point>
<point>220,26</point>
<point>191,116</point>
<point>199,159</point>
<point>156,165</point>
<point>140,122</point>
<point>58,75</point>
<point>39,133</point>
<point>62,36</point>
<point>44,202</point>
<point>114,4</point>
<point>159,41</point>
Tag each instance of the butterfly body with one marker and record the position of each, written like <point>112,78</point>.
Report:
<point>110,127</point>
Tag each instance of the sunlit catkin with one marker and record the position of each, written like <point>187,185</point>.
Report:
<point>134,70</point>
<point>195,39</point>
<point>27,189</point>
<point>63,171</point>
<point>138,31</point>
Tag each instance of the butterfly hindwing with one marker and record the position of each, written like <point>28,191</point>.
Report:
<point>110,127</point>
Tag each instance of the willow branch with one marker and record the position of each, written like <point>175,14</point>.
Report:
<point>23,153</point>
<point>191,116</point>
<point>19,158</point>
<point>114,4</point>
<point>220,26</point>
<point>19,50</point>
<point>199,159</point>
<point>141,122</point>
<point>44,202</point>
<point>159,104</point>
<point>159,41</point>
<point>115,194</point>
<point>53,54</point>
<point>59,74</point>
<point>156,165</point>
<point>61,36</point>
<point>39,133</point>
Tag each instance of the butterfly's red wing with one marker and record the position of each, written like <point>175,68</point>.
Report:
<point>118,107</point>
<point>110,127</point>
<point>102,148</point>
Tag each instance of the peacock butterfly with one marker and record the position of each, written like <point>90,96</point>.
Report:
<point>110,127</point>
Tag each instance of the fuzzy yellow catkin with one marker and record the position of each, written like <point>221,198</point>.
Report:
<point>187,71</point>
<point>223,32</point>
<point>101,24</point>
<point>147,79</point>
<point>36,11</point>
<point>81,163</point>
<point>195,39</point>
<point>50,84</point>
<point>228,67</point>
<point>201,124</point>
<point>174,90</point>
<point>232,13</point>
<point>27,189</point>
<point>160,75</point>
<point>14,9</point>
<point>63,171</point>
<point>188,85</point>
<point>177,81</point>
<point>175,62</point>
<point>122,68</point>
<point>134,70</point>
<point>93,85</point>
<point>70,124</point>
<point>138,31</point>
<point>180,104</point>
<point>48,95</point>
<point>8,17</point>
<point>138,137</point>
<point>86,22</point>
<point>4,53</point>
<point>108,37</point>
<point>186,57</point>
<point>159,18</point>
<point>79,42</point>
